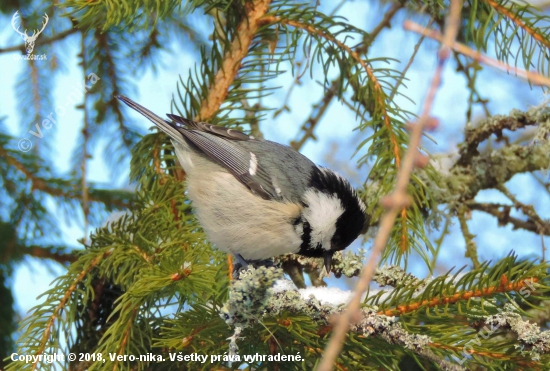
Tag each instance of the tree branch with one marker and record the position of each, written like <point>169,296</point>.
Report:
<point>502,213</point>
<point>460,296</point>
<point>499,8</point>
<point>495,168</point>
<point>330,93</point>
<point>380,95</point>
<point>533,77</point>
<point>493,125</point>
<point>233,58</point>
<point>471,247</point>
<point>57,311</point>
<point>50,253</point>
<point>309,125</point>
<point>41,184</point>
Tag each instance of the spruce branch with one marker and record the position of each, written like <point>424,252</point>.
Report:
<point>65,188</point>
<point>380,94</point>
<point>105,45</point>
<point>500,356</point>
<point>55,315</point>
<point>503,287</point>
<point>102,14</point>
<point>369,324</point>
<point>518,21</point>
<point>320,108</point>
<point>529,334</point>
<point>374,324</point>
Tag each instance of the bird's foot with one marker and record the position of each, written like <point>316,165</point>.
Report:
<point>242,264</point>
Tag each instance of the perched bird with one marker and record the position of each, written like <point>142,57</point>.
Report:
<point>258,199</point>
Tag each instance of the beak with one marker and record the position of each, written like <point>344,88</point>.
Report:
<point>328,261</point>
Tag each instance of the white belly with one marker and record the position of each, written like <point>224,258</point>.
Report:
<point>235,220</point>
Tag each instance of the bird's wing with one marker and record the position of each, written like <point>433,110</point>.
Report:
<point>220,145</point>
<point>209,128</point>
<point>243,164</point>
<point>248,158</point>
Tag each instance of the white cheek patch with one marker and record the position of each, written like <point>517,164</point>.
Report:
<point>253,164</point>
<point>321,213</point>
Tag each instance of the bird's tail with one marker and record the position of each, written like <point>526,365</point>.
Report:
<point>164,125</point>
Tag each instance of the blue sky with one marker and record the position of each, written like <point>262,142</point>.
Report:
<point>155,92</point>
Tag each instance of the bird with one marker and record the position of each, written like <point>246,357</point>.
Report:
<point>258,199</point>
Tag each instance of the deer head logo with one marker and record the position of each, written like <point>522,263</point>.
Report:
<point>29,40</point>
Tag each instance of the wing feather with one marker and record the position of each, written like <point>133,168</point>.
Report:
<point>238,161</point>
<point>224,146</point>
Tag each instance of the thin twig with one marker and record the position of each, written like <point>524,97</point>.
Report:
<point>385,22</point>
<point>529,210</point>
<point>399,198</point>
<point>309,125</point>
<point>502,213</point>
<point>439,242</point>
<point>472,85</point>
<point>471,247</point>
<point>533,77</point>
<point>411,59</point>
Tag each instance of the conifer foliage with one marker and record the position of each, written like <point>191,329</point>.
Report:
<point>150,284</point>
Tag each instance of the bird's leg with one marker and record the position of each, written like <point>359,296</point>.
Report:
<point>240,261</point>
<point>268,263</point>
<point>238,266</point>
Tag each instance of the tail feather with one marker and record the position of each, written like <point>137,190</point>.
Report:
<point>186,122</point>
<point>161,123</point>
